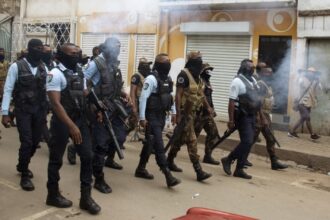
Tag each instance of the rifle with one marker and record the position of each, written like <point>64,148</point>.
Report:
<point>225,135</point>
<point>179,128</point>
<point>271,135</point>
<point>106,120</point>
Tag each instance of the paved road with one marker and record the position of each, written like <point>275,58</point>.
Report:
<point>292,194</point>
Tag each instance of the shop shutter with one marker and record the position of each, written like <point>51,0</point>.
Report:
<point>145,47</point>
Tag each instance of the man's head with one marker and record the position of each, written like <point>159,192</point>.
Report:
<point>111,48</point>
<point>96,51</point>
<point>2,54</point>
<point>68,55</point>
<point>162,64</point>
<point>194,62</point>
<point>263,70</point>
<point>206,72</point>
<point>247,67</point>
<point>35,49</point>
<point>47,54</point>
<point>144,66</point>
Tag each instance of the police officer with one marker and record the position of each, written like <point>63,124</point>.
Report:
<point>264,79</point>
<point>244,103</point>
<point>47,57</point>
<point>205,120</point>
<point>155,101</point>
<point>66,88</point>
<point>189,92</point>
<point>26,81</point>
<point>106,77</point>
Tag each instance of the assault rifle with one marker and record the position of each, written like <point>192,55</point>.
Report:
<point>225,135</point>
<point>106,119</point>
<point>271,135</point>
<point>179,128</point>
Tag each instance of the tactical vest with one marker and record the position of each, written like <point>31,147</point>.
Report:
<point>193,94</point>
<point>140,86</point>
<point>111,81</point>
<point>208,93</point>
<point>251,101</point>
<point>72,97</point>
<point>30,89</point>
<point>267,104</point>
<point>162,100</point>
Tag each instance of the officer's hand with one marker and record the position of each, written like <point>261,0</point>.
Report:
<point>99,117</point>
<point>173,119</point>
<point>143,123</point>
<point>6,121</point>
<point>231,125</point>
<point>264,123</point>
<point>75,134</point>
<point>211,111</point>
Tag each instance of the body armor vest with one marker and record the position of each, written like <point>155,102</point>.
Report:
<point>208,93</point>
<point>30,89</point>
<point>111,81</point>
<point>268,98</point>
<point>251,101</point>
<point>72,97</point>
<point>162,100</point>
<point>140,86</point>
<point>194,93</point>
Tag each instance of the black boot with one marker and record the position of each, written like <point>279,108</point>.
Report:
<point>276,165</point>
<point>247,164</point>
<point>226,165</point>
<point>201,175</point>
<point>240,173</point>
<point>210,160</point>
<point>141,171</point>
<point>101,185</point>
<point>170,180</point>
<point>26,182</point>
<point>29,172</point>
<point>171,165</point>
<point>87,203</point>
<point>54,198</point>
<point>112,164</point>
<point>71,154</point>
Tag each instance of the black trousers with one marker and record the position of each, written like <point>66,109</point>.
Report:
<point>154,138</point>
<point>246,128</point>
<point>57,145</point>
<point>103,144</point>
<point>29,125</point>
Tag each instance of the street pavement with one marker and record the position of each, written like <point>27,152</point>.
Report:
<point>295,193</point>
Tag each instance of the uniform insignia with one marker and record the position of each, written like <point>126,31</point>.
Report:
<point>49,77</point>
<point>145,86</point>
<point>180,80</point>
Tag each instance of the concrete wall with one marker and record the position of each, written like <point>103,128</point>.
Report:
<point>48,8</point>
<point>311,5</point>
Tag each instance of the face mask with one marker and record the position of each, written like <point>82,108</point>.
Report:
<point>35,54</point>
<point>195,66</point>
<point>2,57</point>
<point>68,61</point>
<point>46,57</point>
<point>162,68</point>
<point>144,69</point>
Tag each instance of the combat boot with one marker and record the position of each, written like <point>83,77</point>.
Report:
<point>54,198</point>
<point>210,160</point>
<point>276,165</point>
<point>201,175</point>
<point>141,171</point>
<point>171,165</point>
<point>71,154</point>
<point>29,172</point>
<point>226,165</point>
<point>87,203</point>
<point>112,164</point>
<point>170,180</point>
<point>101,185</point>
<point>240,173</point>
<point>26,182</point>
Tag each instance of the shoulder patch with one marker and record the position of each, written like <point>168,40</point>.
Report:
<point>133,79</point>
<point>49,77</point>
<point>180,80</point>
<point>146,86</point>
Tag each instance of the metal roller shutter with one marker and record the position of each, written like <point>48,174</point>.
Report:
<point>145,47</point>
<point>90,40</point>
<point>224,53</point>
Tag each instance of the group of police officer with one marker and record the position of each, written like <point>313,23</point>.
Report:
<point>68,87</point>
